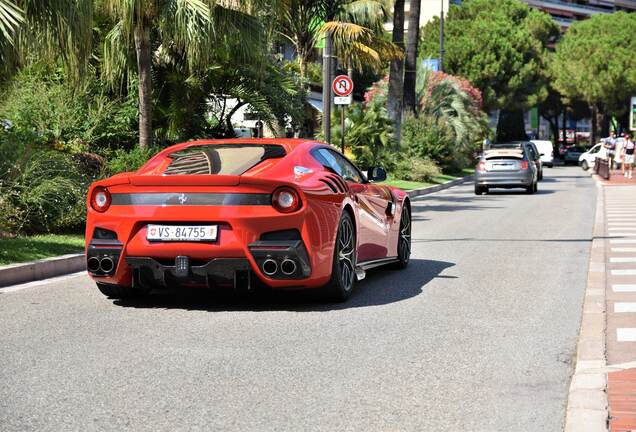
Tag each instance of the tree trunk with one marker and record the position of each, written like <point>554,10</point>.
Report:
<point>594,132</point>
<point>144,65</point>
<point>564,139</point>
<point>396,75</point>
<point>410,67</point>
<point>326,87</point>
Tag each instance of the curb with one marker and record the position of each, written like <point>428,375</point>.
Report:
<point>431,189</point>
<point>13,274</point>
<point>587,407</point>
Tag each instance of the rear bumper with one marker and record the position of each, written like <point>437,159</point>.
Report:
<point>505,179</point>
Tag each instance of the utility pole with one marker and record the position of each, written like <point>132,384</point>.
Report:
<point>326,87</point>
<point>441,37</point>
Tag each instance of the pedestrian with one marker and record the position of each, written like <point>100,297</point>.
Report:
<point>609,144</point>
<point>628,156</point>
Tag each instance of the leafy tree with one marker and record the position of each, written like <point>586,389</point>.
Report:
<point>498,45</point>
<point>47,29</point>
<point>595,62</point>
<point>190,27</point>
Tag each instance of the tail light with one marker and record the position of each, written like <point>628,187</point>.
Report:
<point>286,200</point>
<point>524,165</point>
<point>100,199</point>
<point>481,166</point>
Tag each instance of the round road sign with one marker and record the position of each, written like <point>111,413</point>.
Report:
<point>342,85</point>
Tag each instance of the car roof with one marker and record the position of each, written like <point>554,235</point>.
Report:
<point>508,152</point>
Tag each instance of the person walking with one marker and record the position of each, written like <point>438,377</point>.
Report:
<point>628,156</point>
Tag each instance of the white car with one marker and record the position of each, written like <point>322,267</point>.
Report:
<point>587,159</point>
<point>546,150</point>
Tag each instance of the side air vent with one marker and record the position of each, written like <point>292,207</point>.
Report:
<point>342,185</point>
<point>330,185</point>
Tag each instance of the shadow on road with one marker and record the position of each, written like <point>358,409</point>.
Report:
<point>381,286</point>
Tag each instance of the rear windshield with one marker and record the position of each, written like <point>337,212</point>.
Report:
<point>225,159</point>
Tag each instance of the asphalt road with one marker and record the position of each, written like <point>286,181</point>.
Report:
<point>478,334</point>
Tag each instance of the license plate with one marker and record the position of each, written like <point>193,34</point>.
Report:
<point>502,167</point>
<point>182,232</point>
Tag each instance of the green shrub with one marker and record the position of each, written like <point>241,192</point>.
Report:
<point>128,160</point>
<point>416,169</point>
<point>44,193</point>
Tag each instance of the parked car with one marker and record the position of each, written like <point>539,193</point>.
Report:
<point>507,167</point>
<point>546,149</point>
<point>572,155</point>
<point>563,149</point>
<point>533,153</point>
<point>286,213</point>
<point>587,159</point>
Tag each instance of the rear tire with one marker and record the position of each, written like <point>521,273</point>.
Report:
<point>404,240</point>
<point>121,292</point>
<point>585,165</point>
<point>530,189</point>
<point>343,268</point>
<point>480,190</point>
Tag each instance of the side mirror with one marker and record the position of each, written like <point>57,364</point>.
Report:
<point>542,154</point>
<point>376,174</point>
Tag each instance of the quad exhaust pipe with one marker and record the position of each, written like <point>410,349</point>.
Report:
<point>93,264</point>
<point>97,265</point>
<point>106,264</point>
<point>270,267</point>
<point>288,267</point>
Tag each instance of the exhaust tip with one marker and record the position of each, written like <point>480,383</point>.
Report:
<point>270,267</point>
<point>106,264</point>
<point>93,264</point>
<point>288,267</point>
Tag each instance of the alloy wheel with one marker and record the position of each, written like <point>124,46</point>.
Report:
<point>346,254</point>
<point>404,243</point>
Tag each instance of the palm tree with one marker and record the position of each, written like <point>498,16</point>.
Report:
<point>395,98</point>
<point>45,28</point>
<point>352,27</point>
<point>447,105</point>
<point>191,27</point>
<point>410,68</point>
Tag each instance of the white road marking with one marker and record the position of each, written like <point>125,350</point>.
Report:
<point>14,288</point>
<point>623,234</point>
<point>622,228</point>
<point>623,259</point>
<point>622,241</point>
<point>624,288</point>
<point>624,307</point>
<point>623,249</point>
<point>626,334</point>
<point>621,224</point>
<point>624,272</point>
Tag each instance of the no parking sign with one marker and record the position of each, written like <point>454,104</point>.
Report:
<point>342,86</point>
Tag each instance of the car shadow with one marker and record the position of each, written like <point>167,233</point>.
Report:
<point>380,287</point>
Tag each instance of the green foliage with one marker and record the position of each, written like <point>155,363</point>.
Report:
<point>595,61</point>
<point>428,139</point>
<point>42,191</point>
<point>40,100</point>
<point>122,160</point>
<point>499,46</point>
<point>415,168</point>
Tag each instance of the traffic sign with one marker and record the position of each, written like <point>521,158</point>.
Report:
<point>342,85</point>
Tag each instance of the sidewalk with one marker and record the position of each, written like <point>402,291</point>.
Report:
<point>620,264</point>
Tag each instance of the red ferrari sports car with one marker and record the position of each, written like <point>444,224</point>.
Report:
<point>289,213</point>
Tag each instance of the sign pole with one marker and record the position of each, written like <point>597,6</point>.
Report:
<point>342,87</point>
<point>342,128</point>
